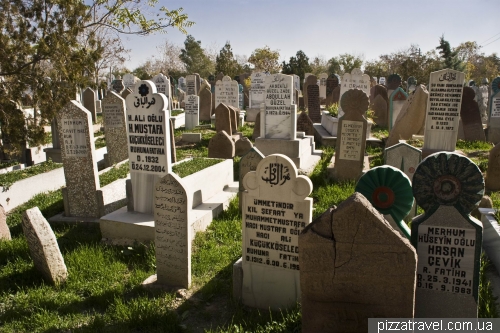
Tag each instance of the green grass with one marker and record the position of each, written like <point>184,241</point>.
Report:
<point>192,166</point>
<point>175,113</point>
<point>113,174</point>
<point>7,179</point>
<point>101,142</point>
<point>8,164</point>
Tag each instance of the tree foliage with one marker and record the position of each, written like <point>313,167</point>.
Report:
<point>226,63</point>
<point>298,65</point>
<point>344,63</point>
<point>450,57</point>
<point>48,48</point>
<point>265,60</point>
<point>195,59</point>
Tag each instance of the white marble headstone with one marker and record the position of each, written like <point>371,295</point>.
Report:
<point>227,92</point>
<point>322,84</point>
<point>257,89</point>
<point>280,117</point>
<point>192,111</point>
<point>355,79</point>
<point>129,80</point>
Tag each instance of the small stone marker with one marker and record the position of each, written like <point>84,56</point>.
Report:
<point>355,79</point>
<point>443,110</point>
<point>205,104</point>
<point>192,111</point>
<point>82,196</point>
<point>89,98</point>
<point>448,240</point>
<point>338,251</point>
<point>493,172</point>
<point>115,129</point>
<point>4,228</point>
<point>43,246</point>
<point>411,119</point>
<point>313,107</point>
<point>242,146</point>
<point>221,145</point>
<point>351,136</point>
<point>172,238</point>
<point>148,133</point>
<point>471,117</point>
<point>276,208</point>
<point>223,119</point>
<point>389,191</point>
<point>396,102</point>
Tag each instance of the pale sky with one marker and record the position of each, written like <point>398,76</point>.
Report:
<point>328,28</point>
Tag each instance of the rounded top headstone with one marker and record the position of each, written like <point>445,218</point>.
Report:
<point>354,100</point>
<point>472,83</point>
<point>388,189</point>
<point>393,81</point>
<point>448,179</point>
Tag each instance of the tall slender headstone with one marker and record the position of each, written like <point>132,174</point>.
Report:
<point>223,119</point>
<point>355,79</point>
<point>331,84</point>
<point>351,136</point>
<point>338,251</point>
<point>470,117</point>
<point>89,99</point>
<point>443,110</point>
<point>82,195</point>
<point>115,128</point>
<point>148,133</point>
<point>191,82</point>
<point>313,108</point>
<point>257,89</point>
<point>322,84</point>
<point>309,80</point>
<point>192,113</point>
<point>276,208</point>
<point>448,240</point>
<point>494,112</point>
<point>397,100</point>
<point>205,104</point>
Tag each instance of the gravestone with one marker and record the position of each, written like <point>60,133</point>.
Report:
<point>221,145</point>
<point>180,97</point>
<point>257,89</point>
<point>471,117</point>
<point>192,111</point>
<point>338,251</point>
<point>331,83</point>
<point>276,208</point>
<point>126,92</point>
<point>397,100</point>
<point>182,83</point>
<point>89,99</point>
<point>322,85</point>
<point>54,152</point>
<point>256,128</point>
<point>191,85</point>
<point>82,195</point>
<point>305,124</point>
<point>248,162</point>
<point>351,136</point>
<point>393,83</point>
<point>172,238</point>
<point>241,97</point>
<point>411,84</point>
<point>493,172</point>
<point>483,100</point>
<point>313,108</point>
<point>443,110</point>
<point>227,92</point>
<point>205,104</point>
<point>411,119</point>
<point>354,80</point>
<point>494,112</point>
<point>115,129</point>
<point>242,146</point>
<point>4,228</point>
<point>163,86</point>
<point>148,133</point>
<point>223,119</point>
<point>296,88</point>
<point>43,247</point>
<point>381,81</point>
<point>309,80</point>
<point>379,107</point>
<point>173,155</point>
<point>234,114</point>
<point>129,81</point>
<point>117,85</point>
<point>448,240</point>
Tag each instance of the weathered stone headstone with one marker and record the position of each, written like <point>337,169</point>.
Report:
<point>82,196</point>
<point>163,86</point>
<point>172,238</point>
<point>248,162</point>
<point>115,129</point>
<point>191,81</point>
<point>411,119</point>
<point>494,112</point>
<point>4,228</point>
<point>322,84</point>
<point>148,133</point>
<point>126,92</point>
<point>129,81</point>
<point>355,79</point>
<point>227,92</point>
<point>447,239</point>
<point>313,108</point>
<point>242,146</point>
<point>338,251</point>
<point>117,85</point>
<point>471,117</point>
<point>412,84</point>
<point>89,98</point>
<point>221,145</point>
<point>223,119</point>
<point>276,208</point>
<point>305,124</point>
<point>43,247</point>
<point>205,104</point>
<point>379,107</point>
<point>192,111</point>
<point>309,80</point>
<point>331,83</point>
<point>396,102</point>
<point>443,110</point>
<point>256,129</point>
<point>493,172</point>
<point>351,136</point>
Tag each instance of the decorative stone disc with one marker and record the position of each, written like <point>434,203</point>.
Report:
<point>354,100</point>
<point>448,179</point>
<point>389,191</point>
